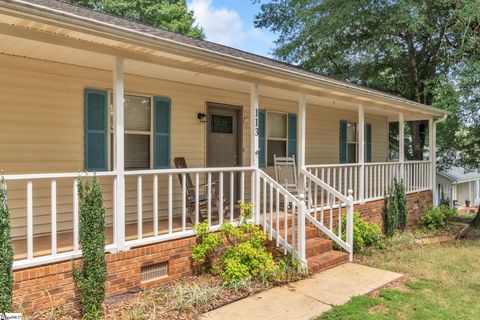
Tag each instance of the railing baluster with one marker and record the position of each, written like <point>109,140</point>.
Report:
<point>242,186</point>
<point>220,200</point>
<point>170,204</point>
<point>155,205</point>
<point>293,224</point>
<point>114,205</point>
<point>339,219</point>
<point>316,196</point>
<point>184,202</point>
<point>271,211</point>
<point>264,206</point>
<point>75,216</point>
<point>197,194</point>
<point>339,179</point>
<point>209,201</point>
<point>345,179</point>
<point>139,208</point>
<point>277,227</point>
<point>232,191</point>
<point>53,194</point>
<point>29,220</point>
<point>285,223</point>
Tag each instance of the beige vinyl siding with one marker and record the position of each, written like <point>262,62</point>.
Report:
<point>41,130</point>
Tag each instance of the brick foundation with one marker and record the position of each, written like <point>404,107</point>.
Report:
<point>37,288</point>
<point>416,203</point>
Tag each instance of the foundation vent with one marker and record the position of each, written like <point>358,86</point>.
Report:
<point>154,271</point>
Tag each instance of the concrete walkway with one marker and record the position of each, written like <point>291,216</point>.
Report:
<point>308,298</point>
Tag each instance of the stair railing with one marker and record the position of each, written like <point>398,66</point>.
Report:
<point>275,206</point>
<point>328,210</point>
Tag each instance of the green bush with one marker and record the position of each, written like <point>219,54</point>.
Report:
<point>6,254</point>
<point>365,234</point>
<point>436,217</point>
<point>394,210</point>
<point>245,257</point>
<point>91,278</point>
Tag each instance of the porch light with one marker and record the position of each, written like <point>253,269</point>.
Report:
<point>202,117</point>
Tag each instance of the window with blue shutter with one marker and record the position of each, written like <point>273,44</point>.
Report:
<point>343,141</point>
<point>292,135</point>
<point>261,138</point>
<point>368,142</point>
<point>95,139</point>
<point>161,130</point>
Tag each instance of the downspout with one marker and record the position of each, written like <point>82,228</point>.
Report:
<point>434,159</point>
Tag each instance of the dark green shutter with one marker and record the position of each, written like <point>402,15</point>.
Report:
<point>161,129</point>
<point>368,142</point>
<point>95,139</point>
<point>343,141</point>
<point>261,138</point>
<point>292,135</point>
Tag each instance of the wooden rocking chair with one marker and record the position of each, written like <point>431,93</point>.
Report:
<point>180,163</point>
<point>286,173</point>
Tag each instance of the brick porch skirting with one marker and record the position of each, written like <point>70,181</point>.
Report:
<point>41,287</point>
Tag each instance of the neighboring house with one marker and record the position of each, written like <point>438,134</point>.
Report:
<point>84,91</point>
<point>457,186</point>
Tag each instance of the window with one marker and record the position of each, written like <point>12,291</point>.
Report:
<point>222,124</point>
<point>351,142</point>
<point>138,132</point>
<point>276,136</point>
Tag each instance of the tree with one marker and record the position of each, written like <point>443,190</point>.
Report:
<point>426,51</point>
<point>6,254</point>
<point>172,15</point>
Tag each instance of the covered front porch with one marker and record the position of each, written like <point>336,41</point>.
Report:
<point>72,109</point>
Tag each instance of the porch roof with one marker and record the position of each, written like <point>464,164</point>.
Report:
<point>108,28</point>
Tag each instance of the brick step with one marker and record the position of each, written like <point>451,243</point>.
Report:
<point>317,246</point>
<point>326,260</point>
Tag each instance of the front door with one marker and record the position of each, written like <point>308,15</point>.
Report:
<point>222,142</point>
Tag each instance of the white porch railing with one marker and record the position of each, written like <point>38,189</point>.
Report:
<point>326,207</point>
<point>274,207</point>
<point>377,178</point>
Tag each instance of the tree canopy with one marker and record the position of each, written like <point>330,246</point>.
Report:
<point>426,51</point>
<point>172,15</point>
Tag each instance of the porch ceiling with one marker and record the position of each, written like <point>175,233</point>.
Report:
<point>30,37</point>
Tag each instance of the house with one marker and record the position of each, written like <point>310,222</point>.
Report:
<point>458,186</point>
<point>85,93</point>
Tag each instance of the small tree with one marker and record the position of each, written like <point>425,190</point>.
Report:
<point>91,278</point>
<point>394,211</point>
<point>6,254</point>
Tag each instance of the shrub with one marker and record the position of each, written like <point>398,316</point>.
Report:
<point>394,210</point>
<point>6,254</point>
<point>365,234</point>
<point>91,278</point>
<point>192,295</point>
<point>436,218</point>
<point>244,258</point>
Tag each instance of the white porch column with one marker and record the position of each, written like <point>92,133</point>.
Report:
<point>401,145</point>
<point>301,133</point>
<point>254,147</point>
<point>361,152</point>
<point>432,150</point>
<point>119,166</point>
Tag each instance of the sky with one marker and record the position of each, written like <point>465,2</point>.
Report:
<point>230,22</point>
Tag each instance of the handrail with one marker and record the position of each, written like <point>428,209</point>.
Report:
<point>38,176</point>
<point>334,165</point>
<point>326,187</point>
<point>278,186</point>
<point>187,170</point>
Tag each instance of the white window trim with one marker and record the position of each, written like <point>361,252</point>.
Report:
<point>267,111</point>
<point>110,122</point>
<point>353,142</point>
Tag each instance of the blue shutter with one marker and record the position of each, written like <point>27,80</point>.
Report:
<point>343,141</point>
<point>292,135</point>
<point>261,138</point>
<point>95,125</point>
<point>368,142</point>
<point>161,129</point>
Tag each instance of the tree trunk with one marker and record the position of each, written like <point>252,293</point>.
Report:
<point>418,131</point>
<point>476,221</point>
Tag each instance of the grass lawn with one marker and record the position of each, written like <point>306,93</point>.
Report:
<point>442,282</point>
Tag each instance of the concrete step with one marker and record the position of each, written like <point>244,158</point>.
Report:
<point>326,260</point>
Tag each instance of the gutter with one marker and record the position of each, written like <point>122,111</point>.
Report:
<point>180,48</point>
